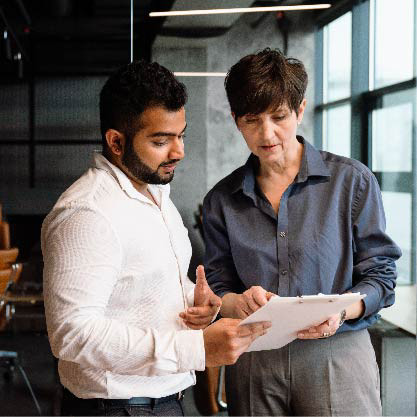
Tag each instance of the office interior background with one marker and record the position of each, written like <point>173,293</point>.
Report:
<point>55,56</point>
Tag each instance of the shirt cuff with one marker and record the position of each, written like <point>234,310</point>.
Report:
<point>371,301</point>
<point>190,350</point>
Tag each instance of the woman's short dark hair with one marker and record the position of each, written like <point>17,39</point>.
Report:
<point>265,80</point>
<point>134,88</point>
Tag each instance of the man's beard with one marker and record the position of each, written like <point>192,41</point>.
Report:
<point>142,172</point>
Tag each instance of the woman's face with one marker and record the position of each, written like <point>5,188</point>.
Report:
<point>272,134</point>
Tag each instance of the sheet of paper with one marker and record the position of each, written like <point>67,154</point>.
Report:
<point>289,315</point>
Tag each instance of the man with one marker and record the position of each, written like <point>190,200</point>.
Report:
<point>123,318</point>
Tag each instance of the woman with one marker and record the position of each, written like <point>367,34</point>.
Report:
<point>297,221</point>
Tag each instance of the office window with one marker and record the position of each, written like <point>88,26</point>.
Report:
<point>334,109</point>
<point>338,58</point>
<point>393,160</point>
<point>56,123</point>
<point>366,107</point>
<point>393,49</point>
<point>337,135</point>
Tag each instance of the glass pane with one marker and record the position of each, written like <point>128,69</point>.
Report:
<point>68,108</point>
<point>337,138</point>
<point>58,173</point>
<point>338,56</point>
<point>14,166</point>
<point>392,134</point>
<point>394,33</point>
<point>14,112</point>
<point>398,208</point>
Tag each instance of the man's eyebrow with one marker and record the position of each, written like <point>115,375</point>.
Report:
<point>162,133</point>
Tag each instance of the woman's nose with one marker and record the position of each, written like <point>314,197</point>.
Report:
<point>267,129</point>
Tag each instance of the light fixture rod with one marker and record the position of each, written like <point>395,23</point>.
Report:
<point>199,74</point>
<point>241,10</point>
<point>131,30</point>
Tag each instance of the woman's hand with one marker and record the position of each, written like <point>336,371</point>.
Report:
<point>251,300</point>
<point>329,327</point>
<point>326,329</point>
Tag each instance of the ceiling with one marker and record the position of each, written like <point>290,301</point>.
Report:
<point>59,37</point>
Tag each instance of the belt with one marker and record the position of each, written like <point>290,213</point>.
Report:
<point>142,400</point>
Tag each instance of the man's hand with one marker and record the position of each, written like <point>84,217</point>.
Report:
<point>206,304</point>
<point>225,340</point>
<point>251,300</point>
<point>326,329</point>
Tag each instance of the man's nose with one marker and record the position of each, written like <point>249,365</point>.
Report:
<point>177,149</point>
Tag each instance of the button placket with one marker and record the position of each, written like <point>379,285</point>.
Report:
<point>166,223</point>
<point>282,245</point>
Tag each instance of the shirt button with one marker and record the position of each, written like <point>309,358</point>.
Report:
<point>282,234</point>
<point>284,272</point>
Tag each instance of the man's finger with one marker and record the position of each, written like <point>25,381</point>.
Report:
<point>201,290</point>
<point>193,326</point>
<point>214,300</point>
<point>253,328</point>
<point>197,319</point>
<point>201,276</point>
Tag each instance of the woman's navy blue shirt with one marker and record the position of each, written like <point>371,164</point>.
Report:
<point>328,237</point>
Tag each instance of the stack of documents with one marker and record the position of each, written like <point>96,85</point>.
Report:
<point>289,315</point>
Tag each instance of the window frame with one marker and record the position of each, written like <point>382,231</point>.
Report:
<point>363,100</point>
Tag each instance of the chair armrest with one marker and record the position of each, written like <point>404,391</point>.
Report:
<point>8,257</point>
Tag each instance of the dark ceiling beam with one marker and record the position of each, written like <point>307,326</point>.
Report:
<point>147,30</point>
<point>193,32</point>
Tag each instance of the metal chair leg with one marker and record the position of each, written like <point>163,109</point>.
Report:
<point>222,405</point>
<point>12,361</point>
<point>26,379</point>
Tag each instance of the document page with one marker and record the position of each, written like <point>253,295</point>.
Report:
<point>289,315</point>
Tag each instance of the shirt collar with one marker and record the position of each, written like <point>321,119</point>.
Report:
<point>312,165</point>
<point>101,162</point>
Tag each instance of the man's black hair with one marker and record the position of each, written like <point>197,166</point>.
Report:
<point>131,90</point>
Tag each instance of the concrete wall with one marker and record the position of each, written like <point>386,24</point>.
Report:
<point>225,147</point>
<point>214,146</point>
<point>190,183</point>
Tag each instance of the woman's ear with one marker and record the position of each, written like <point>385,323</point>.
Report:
<point>236,120</point>
<point>301,111</point>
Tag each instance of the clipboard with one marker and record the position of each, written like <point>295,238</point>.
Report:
<point>289,315</point>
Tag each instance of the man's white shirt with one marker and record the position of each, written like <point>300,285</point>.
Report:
<point>115,280</point>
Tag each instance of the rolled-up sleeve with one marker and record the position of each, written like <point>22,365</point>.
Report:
<point>374,252</point>
<point>218,261</point>
<point>83,261</point>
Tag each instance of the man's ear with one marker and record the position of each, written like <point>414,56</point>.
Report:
<point>115,142</point>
